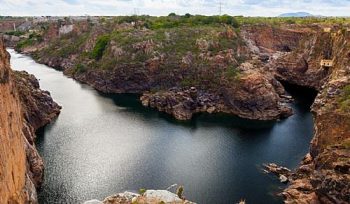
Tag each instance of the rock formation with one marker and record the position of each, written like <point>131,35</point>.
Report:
<point>24,109</point>
<point>324,175</point>
<point>188,70</point>
<point>148,197</point>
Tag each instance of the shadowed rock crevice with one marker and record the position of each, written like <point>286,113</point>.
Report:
<point>302,95</point>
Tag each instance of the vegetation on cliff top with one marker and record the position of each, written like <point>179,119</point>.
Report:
<point>194,54</point>
<point>173,20</point>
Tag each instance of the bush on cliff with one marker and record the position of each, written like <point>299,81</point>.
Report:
<point>100,46</point>
<point>15,33</point>
<point>345,99</point>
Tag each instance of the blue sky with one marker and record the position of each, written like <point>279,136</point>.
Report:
<point>163,7</point>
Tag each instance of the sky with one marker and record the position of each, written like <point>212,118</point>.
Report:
<point>164,7</point>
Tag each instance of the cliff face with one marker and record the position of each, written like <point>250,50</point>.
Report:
<point>324,175</point>
<point>13,174</point>
<point>24,109</point>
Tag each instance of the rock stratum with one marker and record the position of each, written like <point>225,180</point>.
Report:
<point>187,70</point>
<point>24,109</point>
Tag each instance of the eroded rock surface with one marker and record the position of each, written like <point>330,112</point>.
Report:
<point>149,197</point>
<point>24,109</point>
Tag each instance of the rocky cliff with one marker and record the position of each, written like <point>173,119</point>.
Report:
<point>183,71</point>
<point>164,64</point>
<point>24,108</point>
<point>324,175</point>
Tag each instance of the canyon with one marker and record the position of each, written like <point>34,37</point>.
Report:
<point>214,70</point>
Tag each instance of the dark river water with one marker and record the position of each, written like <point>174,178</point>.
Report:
<point>103,144</point>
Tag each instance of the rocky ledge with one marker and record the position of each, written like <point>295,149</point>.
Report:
<point>148,197</point>
<point>38,110</point>
<point>254,97</point>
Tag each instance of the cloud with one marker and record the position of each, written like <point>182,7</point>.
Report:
<point>163,7</point>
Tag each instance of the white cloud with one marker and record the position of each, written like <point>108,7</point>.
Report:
<point>163,7</point>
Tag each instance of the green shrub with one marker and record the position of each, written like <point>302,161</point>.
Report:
<point>180,191</point>
<point>232,73</point>
<point>229,20</point>
<point>187,15</point>
<point>345,99</point>
<point>142,191</point>
<point>24,43</point>
<point>80,68</point>
<point>15,33</point>
<point>100,46</point>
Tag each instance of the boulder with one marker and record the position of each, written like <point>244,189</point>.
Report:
<point>93,202</point>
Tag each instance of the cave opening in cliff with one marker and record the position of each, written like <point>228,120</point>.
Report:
<point>303,95</point>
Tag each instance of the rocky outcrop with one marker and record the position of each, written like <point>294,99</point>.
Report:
<point>252,97</point>
<point>148,197</point>
<point>302,66</point>
<point>10,40</point>
<point>183,103</point>
<point>24,109</point>
<point>324,175</point>
<point>212,65</point>
<point>38,110</point>
<point>266,39</point>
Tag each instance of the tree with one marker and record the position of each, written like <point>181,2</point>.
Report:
<point>187,15</point>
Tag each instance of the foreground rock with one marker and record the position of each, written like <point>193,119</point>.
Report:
<point>149,197</point>
<point>281,172</point>
<point>24,109</point>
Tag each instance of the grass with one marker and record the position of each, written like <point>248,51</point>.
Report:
<point>33,39</point>
<point>25,43</point>
<point>15,33</point>
<point>344,100</point>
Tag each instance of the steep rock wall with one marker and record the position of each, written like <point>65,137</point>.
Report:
<point>324,175</point>
<point>12,151</point>
<point>24,109</point>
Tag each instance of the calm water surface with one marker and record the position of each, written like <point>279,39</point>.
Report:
<point>103,144</point>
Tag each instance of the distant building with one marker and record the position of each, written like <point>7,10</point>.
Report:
<point>326,63</point>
